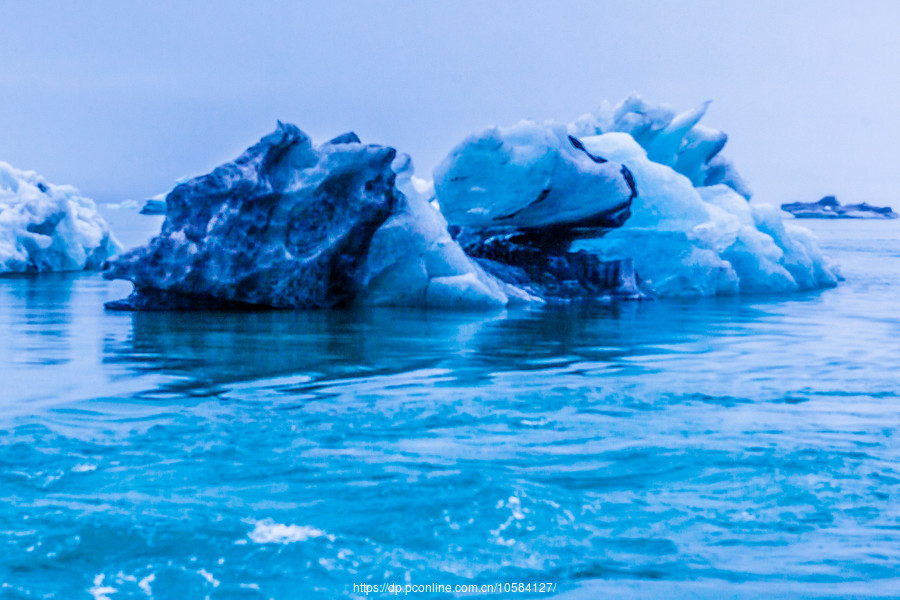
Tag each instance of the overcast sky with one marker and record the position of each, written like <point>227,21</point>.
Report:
<point>121,98</point>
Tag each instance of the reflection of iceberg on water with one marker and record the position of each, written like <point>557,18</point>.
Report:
<point>623,203</point>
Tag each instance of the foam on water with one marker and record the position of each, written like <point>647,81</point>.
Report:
<point>270,532</point>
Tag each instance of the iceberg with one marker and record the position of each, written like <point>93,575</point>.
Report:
<point>671,139</point>
<point>829,208</point>
<point>706,240</point>
<point>47,227</point>
<point>285,225</point>
<point>626,202</point>
<point>292,225</point>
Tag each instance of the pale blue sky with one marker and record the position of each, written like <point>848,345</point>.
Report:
<point>121,98</point>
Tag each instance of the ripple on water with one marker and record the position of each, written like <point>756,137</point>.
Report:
<point>661,449</point>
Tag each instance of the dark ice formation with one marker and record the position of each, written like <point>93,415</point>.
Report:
<point>285,225</point>
<point>829,208</point>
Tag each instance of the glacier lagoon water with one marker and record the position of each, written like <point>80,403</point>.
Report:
<point>714,448</point>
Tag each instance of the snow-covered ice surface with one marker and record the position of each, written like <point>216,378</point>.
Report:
<point>704,241</point>
<point>692,231</point>
<point>672,139</point>
<point>413,261</point>
<point>47,227</point>
<point>529,176</point>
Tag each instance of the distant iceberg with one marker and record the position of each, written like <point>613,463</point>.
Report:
<point>627,202</point>
<point>47,227</point>
<point>829,208</point>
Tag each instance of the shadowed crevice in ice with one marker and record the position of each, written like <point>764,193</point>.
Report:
<point>552,272</point>
<point>516,198</point>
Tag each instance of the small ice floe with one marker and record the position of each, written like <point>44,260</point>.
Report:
<point>829,208</point>
<point>124,205</point>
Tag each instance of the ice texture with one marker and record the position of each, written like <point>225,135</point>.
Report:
<point>530,176</point>
<point>413,261</point>
<point>669,138</point>
<point>702,241</point>
<point>47,227</point>
<point>515,199</point>
<point>286,225</point>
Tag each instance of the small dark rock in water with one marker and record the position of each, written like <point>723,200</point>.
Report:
<point>286,225</point>
<point>829,208</point>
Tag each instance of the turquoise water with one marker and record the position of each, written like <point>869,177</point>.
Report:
<point>714,448</point>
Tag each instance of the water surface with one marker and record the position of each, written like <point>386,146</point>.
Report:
<point>712,448</point>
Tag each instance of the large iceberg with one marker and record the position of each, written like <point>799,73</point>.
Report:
<point>292,225</point>
<point>47,227</point>
<point>626,202</point>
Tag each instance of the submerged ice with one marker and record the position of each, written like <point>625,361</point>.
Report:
<point>47,227</point>
<point>626,202</point>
